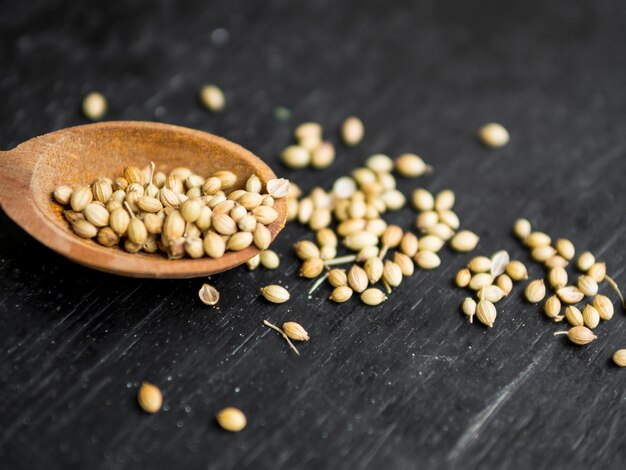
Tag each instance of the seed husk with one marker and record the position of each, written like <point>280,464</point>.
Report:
<point>522,229</point>
<point>231,419</point>
<point>565,248</point>
<point>295,331</point>
<point>405,263</point>
<point>254,262</point>
<point>579,335</point>
<point>552,308</point>
<point>604,306</point>
<point>107,237</point>
<point>516,270</point>
<point>464,241</point>
<point>597,272</point>
<point>337,277</point>
<point>149,397</point>
<point>493,135</point>
<point>132,247</point>
<point>535,291</point>
<point>410,165</point>
<point>505,283</point>
<point>591,316</point>
<point>499,261</point>
<point>486,313</point>
<point>480,280</point>
<point>585,261</point>
<point>427,260</point>
<point>587,285</point>
<point>341,294</point>
<point>269,259</point>
<point>275,293</point>
<point>619,357</point>
<point>352,131</point>
<point>557,278</point>
<point>357,278</point>
<point>491,293</point>
<point>574,316</point>
<point>570,294</point>
<point>208,294</point>
<point>278,188</point>
<point>373,296</point>
<point>536,239</point>
<point>212,98</point>
<point>469,308</point>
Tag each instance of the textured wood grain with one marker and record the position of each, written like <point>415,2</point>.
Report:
<point>404,385</point>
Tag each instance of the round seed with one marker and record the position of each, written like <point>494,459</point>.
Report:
<point>574,316</point>
<point>491,293</point>
<point>619,357</point>
<point>556,261</point>
<point>463,278</point>
<point>557,278</point>
<point>479,264</point>
<point>337,277</point>
<point>423,200</point>
<point>352,131</point>
<point>505,283</point>
<point>254,262</point>
<point>493,135</point>
<point>392,274</point>
<point>214,245</point>
<point>275,293</point>
<point>597,272</point>
<point>552,308</point>
<point>587,285</point>
<point>149,398</point>
<point>374,269</point>
<point>426,220</point>
<point>579,335</point>
<point>449,218</point>
<point>604,306</point>
<point>341,294</point>
<point>208,294</point>
<point>231,419</point>
<point>516,271</point>
<point>565,248</point>
<point>431,243</point>
<point>323,155</point>
<point>542,254</point>
<point>262,237</point>
<point>499,260</point>
<point>444,200</point>
<point>535,291</point>
<point>480,280</point>
<point>537,239</point>
<point>239,241</point>
<point>94,106</point>
<point>81,198</point>
<point>469,308</point>
<point>411,166</point>
<point>379,163</point>
<point>405,262</point>
<point>96,214</point>
<point>409,244</point>
<point>357,278</point>
<point>306,249</point>
<point>464,241</point>
<point>427,260</point>
<point>212,98</point>
<point>269,259</point>
<point>591,317</point>
<point>585,261</point>
<point>296,156</point>
<point>373,296</point>
<point>311,268</point>
<point>522,229</point>
<point>570,295</point>
<point>486,313</point>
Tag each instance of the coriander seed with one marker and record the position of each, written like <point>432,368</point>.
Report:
<point>535,291</point>
<point>341,294</point>
<point>94,106</point>
<point>619,357</point>
<point>580,335</point>
<point>486,313</point>
<point>574,316</point>
<point>212,98</point>
<point>352,131</point>
<point>275,293</point>
<point>373,296</point>
<point>231,419</point>
<point>149,397</point>
<point>208,294</point>
<point>469,308</point>
<point>493,135</point>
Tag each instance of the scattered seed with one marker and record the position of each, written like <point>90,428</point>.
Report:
<point>604,306</point>
<point>411,166</point>
<point>486,313</point>
<point>591,316</point>
<point>352,131</point>
<point>469,308</point>
<point>479,264</point>
<point>535,291</point>
<point>275,293</point>
<point>149,398</point>
<point>212,98</point>
<point>269,259</point>
<point>463,278</point>
<point>587,285</point>
<point>499,261</point>
<point>570,294</point>
<point>557,278</point>
<point>357,278</point>
<point>493,135</point>
<point>522,229</point>
<point>619,357</point>
<point>579,335</point>
<point>295,331</point>
<point>480,280</point>
<point>505,283</point>
<point>565,248</point>
<point>585,261</point>
<point>464,241</point>
<point>341,294</point>
<point>491,293</point>
<point>552,308</point>
<point>94,106</point>
<point>231,419</point>
<point>373,296</point>
<point>537,239</point>
<point>423,200</point>
<point>208,294</point>
<point>427,260</point>
<point>516,270</point>
<point>574,316</point>
<point>597,272</point>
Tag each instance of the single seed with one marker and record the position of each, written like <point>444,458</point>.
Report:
<point>537,239</point>
<point>102,190</point>
<point>295,331</point>
<point>570,294</point>
<point>214,245</point>
<point>133,174</point>
<point>275,293</point>
<point>326,237</point>
<point>62,195</point>
<point>231,419</point>
<point>405,263</point>
<point>556,261</point>
<point>96,214</point>
<point>191,210</point>
<point>357,278</point>
<point>262,237</point>
<point>552,308</point>
<point>535,291</point>
<point>427,260</point>
<point>480,280</point>
<point>360,240</point>
<point>337,277</point>
<point>411,166</point>
<point>469,308</point>
<point>522,229</point>
<point>597,272</point>
<point>374,269</point>
<point>323,155</point>
<point>254,262</point>
<point>269,259</point>
<point>240,241</point>
<point>450,219</point>
<point>619,357</point>
<point>464,241</point>
<point>463,278</point>
<point>542,254</point>
<point>574,316</point>
<point>557,278</point>
<point>517,271</point>
<point>137,232</point>
<point>107,237</point>
<point>604,306</point>
<point>479,264</point>
<point>212,98</point>
<point>585,261</point>
<point>81,198</point>
<point>591,316</point>
<point>392,274</point>
<point>352,131</point>
<point>265,214</point>
<point>311,268</point>
<point>208,294</point>
<point>409,244</point>
<point>426,220</point>
<point>306,249</point>
<point>119,220</point>
<point>505,283</point>
<point>94,106</point>
<point>579,335</point>
<point>587,285</point>
<point>423,200</point>
<point>373,296</point>
<point>565,248</point>
<point>379,163</point>
<point>149,398</point>
<point>486,313</point>
<point>491,293</point>
<point>493,135</point>
<point>444,200</point>
<point>611,282</point>
<point>341,294</point>
<point>278,188</point>
<point>499,261</point>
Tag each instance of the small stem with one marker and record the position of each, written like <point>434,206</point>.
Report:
<point>129,209</point>
<point>429,169</point>
<point>283,334</point>
<point>151,173</point>
<point>318,283</point>
<point>560,333</point>
<point>341,260</point>
<point>383,252</point>
<point>387,287</point>
<point>615,287</point>
<point>471,318</point>
<point>186,229</point>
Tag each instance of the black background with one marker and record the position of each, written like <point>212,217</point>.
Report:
<point>408,384</point>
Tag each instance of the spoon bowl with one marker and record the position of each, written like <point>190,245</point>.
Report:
<point>78,155</point>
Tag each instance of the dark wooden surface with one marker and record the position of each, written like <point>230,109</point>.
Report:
<point>408,384</point>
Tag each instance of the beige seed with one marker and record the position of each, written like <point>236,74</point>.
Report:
<point>239,241</point>
<point>96,214</point>
<point>552,308</point>
<point>62,195</point>
<point>278,188</point>
<point>587,285</point>
<point>367,253</point>
<point>450,219</point>
<point>619,357</point>
<point>328,252</point>
<point>223,224</point>
<point>323,155</point>
<point>292,209</point>
<point>269,259</point>
<point>411,166</point>
<point>479,264</point>
<point>320,218</point>
<point>337,277</point>
<point>214,245</point>
<point>296,156</point>
<point>597,272</point>
<point>265,214</point>
<point>326,237</point>
<point>360,240</point>
<point>444,200</point>
<point>191,209</point>
<point>427,260</point>
<point>80,198</point>
<point>409,244</point>
<point>464,241</point>
<point>522,229</point>
<point>212,98</point>
<point>228,178</point>
<point>536,239</point>
<point>480,280</point>
<point>373,296</point>
<point>254,262</point>
<point>570,295</point>
<point>535,291</point>
<point>542,254</point>
<point>423,200</point>
<point>149,204</point>
<point>306,249</point>
<point>94,106</point>
<point>247,223</point>
<point>431,243</point>
<point>311,268</point>
<point>469,308</point>
<point>352,131</point>
<point>486,313</point>
<point>350,226</point>
<point>208,294</point>
<point>442,231</point>
<point>376,226</point>
<point>505,283</point>
<point>275,293</point>
<point>174,226</point>
<point>426,220</point>
<point>374,269</point>
<point>107,237</point>
<point>262,237</point>
<point>585,261</point>
<point>463,277</point>
<point>574,316</point>
<point>149,397</point>
<point>295,331</point>
<point>556,261</point>
<point>231,419</point>
<point>517,271</point>
<point>557,278</point>
<point>392,274</point>
<point>565,248</point>
<point>379,163</point>
<point>133,174</point>
<point>591,316</point>
<point>579,335</point>
<point>341,294</point>
<point>132,247</point>
<point>405,263</point>
<point>137,232</point>
<point>499,260</point>
<point>119,220</point>
<point>491,293</point>
<point>357,278</point>
<point>120,184</point>
<point>250,200</point>
<point>392,236</point>
<point>102,190</point>
<point>211,186</point>
<point>494,135</point>
<point>604,306</point>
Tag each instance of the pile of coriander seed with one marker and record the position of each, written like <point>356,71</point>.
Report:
<point>179,214</point>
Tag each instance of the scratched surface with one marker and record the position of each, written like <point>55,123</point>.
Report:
<point>408,384</point>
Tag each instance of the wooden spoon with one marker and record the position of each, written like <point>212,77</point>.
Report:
<point>78,155</point>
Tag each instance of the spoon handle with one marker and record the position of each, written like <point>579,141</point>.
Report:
<point>16,169</point>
